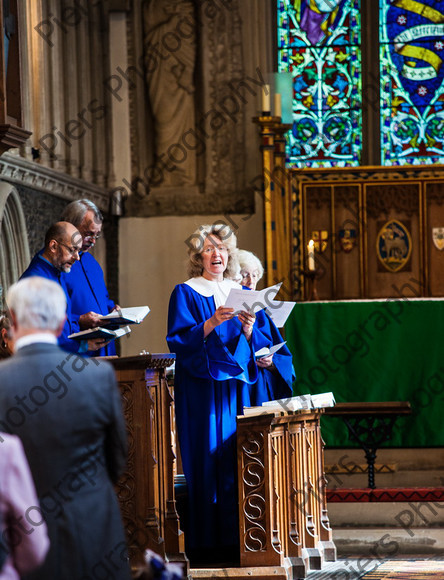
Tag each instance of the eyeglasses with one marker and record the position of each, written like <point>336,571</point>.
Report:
<point>90,236</point>
<point>252,275</point>
<point>72,251</point>
<point>211,249</point>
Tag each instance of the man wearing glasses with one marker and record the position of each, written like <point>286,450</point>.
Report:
<point>86,284</point>
<point>63,243</point>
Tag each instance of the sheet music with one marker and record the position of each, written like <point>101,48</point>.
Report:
<point>251,300</point>
<point>279,312</point>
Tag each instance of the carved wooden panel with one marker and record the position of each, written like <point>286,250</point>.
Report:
<point>384,203</point>
<point>377,231</point>
<point>146,489</point>
<point>254,505</point>
<point>282,510</point>
<point>347,241</point>
<point>433,237</point>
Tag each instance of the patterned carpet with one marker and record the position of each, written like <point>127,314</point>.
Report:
<point>408,570</point>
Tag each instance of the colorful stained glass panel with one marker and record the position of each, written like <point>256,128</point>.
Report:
<point>412,81</point>
<point>318,43</point>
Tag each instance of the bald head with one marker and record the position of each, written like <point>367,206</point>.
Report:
<point>63,242</point>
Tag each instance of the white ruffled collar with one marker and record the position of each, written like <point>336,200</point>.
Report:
<point>207,288</point>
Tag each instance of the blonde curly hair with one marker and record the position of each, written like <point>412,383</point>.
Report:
<point>195,243</point>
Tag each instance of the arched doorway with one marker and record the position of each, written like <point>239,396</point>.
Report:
<point>14,246</point>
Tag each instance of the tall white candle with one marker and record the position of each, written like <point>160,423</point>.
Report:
<point>266,99</point>
<point>311,256</point>
<point>277,105</point>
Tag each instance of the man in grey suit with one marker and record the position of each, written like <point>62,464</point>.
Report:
<point>66,409</point>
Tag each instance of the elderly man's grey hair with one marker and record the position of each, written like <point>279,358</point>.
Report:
<point>75,211</point>
<point>37,303</point>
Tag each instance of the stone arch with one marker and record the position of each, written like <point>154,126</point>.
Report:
<point>14,254</point>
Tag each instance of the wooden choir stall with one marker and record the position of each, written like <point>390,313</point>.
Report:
<point>282,507</point>
<point>146,490</point>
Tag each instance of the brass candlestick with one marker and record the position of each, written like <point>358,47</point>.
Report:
<point>312,276</point>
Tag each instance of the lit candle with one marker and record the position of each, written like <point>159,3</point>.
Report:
<point>311,256</point>
<point>266,106</point>
<point>277,105</point>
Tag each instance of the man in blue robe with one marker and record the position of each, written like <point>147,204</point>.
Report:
<point>54,262</point>
<point>86,284</point>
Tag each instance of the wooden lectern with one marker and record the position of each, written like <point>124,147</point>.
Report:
<point>146,489</point>
<point>282,508</point>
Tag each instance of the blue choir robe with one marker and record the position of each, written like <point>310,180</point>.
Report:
<point>87,289</point>
<point>212,383</point>
<point>276,383</point>
<point>39,266</point>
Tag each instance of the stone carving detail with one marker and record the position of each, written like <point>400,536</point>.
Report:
<point>170,31</point>
<point>18,170</point>
<point>15,256</point>
<point>224,55</point>
<point>254,507</point>
<point>202,170</point>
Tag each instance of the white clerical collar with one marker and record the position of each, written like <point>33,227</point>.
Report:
<point>40,337</point>
<point>207,288</point>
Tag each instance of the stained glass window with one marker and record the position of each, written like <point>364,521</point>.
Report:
<point>412,88</point>
<point>319,44</point>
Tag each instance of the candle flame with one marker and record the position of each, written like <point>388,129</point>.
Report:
<point>311,245</point>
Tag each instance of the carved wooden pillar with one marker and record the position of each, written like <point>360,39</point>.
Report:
<point>283,520</point>
<point>282,233</point>
<point>146,490</point>
<point>268,126</point>
<point>277,201</point>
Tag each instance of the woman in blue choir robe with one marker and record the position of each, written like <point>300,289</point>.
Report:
<point>275,372</point>
<point>215,365</point>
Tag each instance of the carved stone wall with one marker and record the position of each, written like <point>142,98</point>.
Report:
<point>66,85</point>
<point>228,78</point>
<point>67,97</point>
<point>41,210</point>
<point>41,194</point>
<point>14,255</point>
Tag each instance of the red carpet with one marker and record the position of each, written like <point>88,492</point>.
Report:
<point>386,494</point>
<point>408,570</point>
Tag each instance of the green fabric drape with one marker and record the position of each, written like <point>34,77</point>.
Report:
<point>379,350</point>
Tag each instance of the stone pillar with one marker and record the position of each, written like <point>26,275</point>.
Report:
<point>119,118</point>
<point>56,93</point>
<point>84,32</point>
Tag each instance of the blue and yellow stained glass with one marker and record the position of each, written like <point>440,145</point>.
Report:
<point>319,43</point>
<point>412,87</point>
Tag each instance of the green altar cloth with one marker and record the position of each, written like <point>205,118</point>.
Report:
<point>373,350</point>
